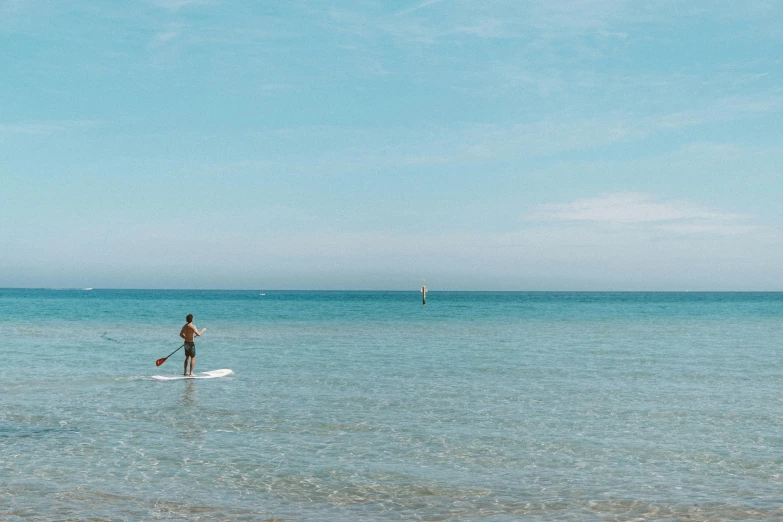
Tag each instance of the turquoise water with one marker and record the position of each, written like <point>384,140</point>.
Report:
<point>370,406</point>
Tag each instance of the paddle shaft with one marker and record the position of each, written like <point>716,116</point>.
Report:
<point>161,361</point>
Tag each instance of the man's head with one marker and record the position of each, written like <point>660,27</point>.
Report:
<point>189,318</point>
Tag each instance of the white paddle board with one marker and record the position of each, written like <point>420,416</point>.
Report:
<point>203,375</point>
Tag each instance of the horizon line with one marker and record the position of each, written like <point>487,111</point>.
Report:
<point>429,290</point>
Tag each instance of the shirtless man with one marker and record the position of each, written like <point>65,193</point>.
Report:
<point>187,333</point>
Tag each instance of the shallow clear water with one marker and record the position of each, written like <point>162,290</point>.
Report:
<point>370,406</point>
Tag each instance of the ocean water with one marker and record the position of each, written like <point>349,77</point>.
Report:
<point>370,406</point>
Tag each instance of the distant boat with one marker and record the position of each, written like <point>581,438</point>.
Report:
<point>262,293</point>
<point>86,288</point>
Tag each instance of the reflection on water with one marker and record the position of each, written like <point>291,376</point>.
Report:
<point>188,421</point>
<point>189,393</point>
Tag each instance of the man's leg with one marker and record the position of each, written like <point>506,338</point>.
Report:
<point>186,365</point>
<point>192,364</point>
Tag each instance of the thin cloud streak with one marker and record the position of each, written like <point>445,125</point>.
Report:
<point>626,208</point>
<point>417,7</point>
<point>176,5</point>
<point>644,211</point>
<point>46,128</point>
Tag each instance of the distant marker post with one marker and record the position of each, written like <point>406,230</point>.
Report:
<point>423,292</point>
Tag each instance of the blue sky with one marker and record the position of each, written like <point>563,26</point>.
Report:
<point>501,144</point>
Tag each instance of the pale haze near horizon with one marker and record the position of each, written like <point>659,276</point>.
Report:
<point>500,145</point>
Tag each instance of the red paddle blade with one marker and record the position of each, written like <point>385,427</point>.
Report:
<point>160,361</point>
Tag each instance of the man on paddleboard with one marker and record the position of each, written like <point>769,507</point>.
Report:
<point>187,333</point>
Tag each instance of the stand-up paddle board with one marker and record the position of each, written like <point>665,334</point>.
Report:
<point>203,375</point>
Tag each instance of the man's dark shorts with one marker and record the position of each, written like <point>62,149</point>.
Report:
<point>190,349</point>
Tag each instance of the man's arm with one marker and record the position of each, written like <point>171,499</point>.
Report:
<point>195,330</point>
<point>182,332</point>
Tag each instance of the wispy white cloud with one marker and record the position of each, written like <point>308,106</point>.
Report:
<point>542,23</point>
<point>723,109</point>
<point>175,5</point>
<point>167,34</point>
<point>707,228</point>
<point>549,135</point>
<point>45,127</point>
<point>416,7</point>
<point>359,147</point>
<point>644,210</point>
<point>629,207</point>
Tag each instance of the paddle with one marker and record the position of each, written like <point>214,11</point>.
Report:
<point>161,361</point>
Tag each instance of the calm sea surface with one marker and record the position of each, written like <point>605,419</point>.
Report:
<point>370,406</point>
